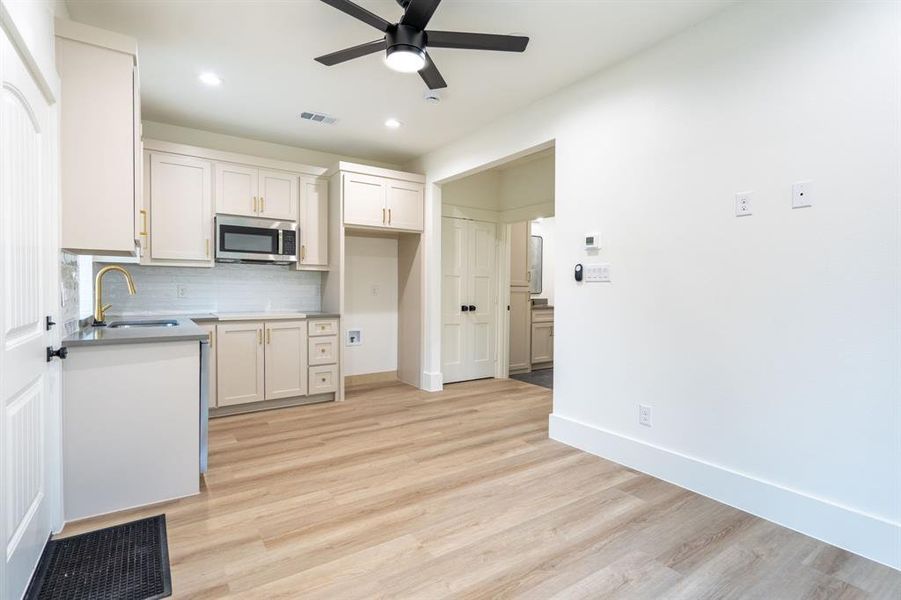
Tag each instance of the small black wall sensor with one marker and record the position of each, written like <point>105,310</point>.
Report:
<point>578,272</point>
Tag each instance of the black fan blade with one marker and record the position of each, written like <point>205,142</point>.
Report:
<point>431,75</point>
<point>350,53</point>
<point>419,12</point>
<point>358,12</point>
<point>476,41</point>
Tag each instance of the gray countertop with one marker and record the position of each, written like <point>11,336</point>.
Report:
<point>185,331</point>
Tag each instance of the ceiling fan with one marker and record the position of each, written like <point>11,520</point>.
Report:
<point>406,42</point>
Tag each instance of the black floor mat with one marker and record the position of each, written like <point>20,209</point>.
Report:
<point>123,562</point>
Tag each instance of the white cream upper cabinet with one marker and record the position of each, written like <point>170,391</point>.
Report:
<point>286,359</point>
<point>404,203</point>
<point>365,200</point>
<point>277,195</point>
<point>98,138</point>
<point>313,223</point>
<point>237,189</point>
<point>240,363</point>
<point>181,214</point>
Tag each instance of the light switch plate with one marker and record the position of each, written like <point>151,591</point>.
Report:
<point>802,194</point>
<point>599,273</point>
<point>743,204</point>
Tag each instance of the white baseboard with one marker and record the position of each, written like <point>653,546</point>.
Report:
<point>432,381</point>
<point>867,535</point>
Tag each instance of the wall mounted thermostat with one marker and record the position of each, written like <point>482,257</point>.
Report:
<point>593,241</point>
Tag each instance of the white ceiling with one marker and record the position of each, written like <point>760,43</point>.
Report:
<point>264,52</point>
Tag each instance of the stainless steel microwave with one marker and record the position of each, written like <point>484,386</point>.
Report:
<point>245,239</point>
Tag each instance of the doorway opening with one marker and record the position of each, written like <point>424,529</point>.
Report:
<point>497,272</point>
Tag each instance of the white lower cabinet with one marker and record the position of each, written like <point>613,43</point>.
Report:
<point>210,330</point>
<point>274,360</point>
<point>286,359</point>
<point>241,363</point>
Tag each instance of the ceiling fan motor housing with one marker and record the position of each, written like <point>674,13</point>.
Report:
<point>405,39</point>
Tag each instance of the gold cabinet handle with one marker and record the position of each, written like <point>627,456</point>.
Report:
<point>384,218</point>
<point>303,252</point>
<point>212,340</point>
<point>262,204</point>
<point>254,204</point>
<point>259,336</point>
<point>207,245</point>
<point>389,216</point>
<point>268,336</point>
<point>143,223</point>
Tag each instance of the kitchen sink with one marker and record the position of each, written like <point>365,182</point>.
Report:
<point>160,323</point>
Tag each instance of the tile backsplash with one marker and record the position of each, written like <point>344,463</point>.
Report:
<point>223,288</point>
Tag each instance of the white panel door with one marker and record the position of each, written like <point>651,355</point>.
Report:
<point>236,189</point>
<point>286,359</point>
<point>28,254</point>
<point>240,363</point>
<point>404,202</point>
<point>181,211</point>
<point>482,285</point>
<point>364,201</point>
<point>454,255</point>
<point>469,292</point>
<point>278,196</point>
<point>313,223</point>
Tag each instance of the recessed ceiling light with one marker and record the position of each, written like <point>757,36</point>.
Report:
<point>392,123</point>
<point>210,79</point>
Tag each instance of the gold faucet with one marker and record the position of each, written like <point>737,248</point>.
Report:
<point>99,307</point>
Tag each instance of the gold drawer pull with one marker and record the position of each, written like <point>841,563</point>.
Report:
<point>143,223</point>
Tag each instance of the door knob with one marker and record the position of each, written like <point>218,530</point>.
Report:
<point>62,353</point>
<point>472,308</point>
<point>49,323</point>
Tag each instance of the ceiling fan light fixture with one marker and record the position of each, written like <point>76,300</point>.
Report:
<point>405,59</point>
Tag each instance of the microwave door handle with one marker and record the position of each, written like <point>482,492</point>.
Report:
<point>280,243</point>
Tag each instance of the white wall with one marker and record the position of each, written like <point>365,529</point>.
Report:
<point>768,346</point>
<point>546,228</point>
<point>229,143</point>
<point>370,304</point>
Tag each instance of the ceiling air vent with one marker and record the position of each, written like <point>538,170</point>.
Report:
<point>316,117</point>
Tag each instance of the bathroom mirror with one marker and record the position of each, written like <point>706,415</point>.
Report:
<point>535,257</point>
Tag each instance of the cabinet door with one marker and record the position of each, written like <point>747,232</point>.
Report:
<point>278,196</point>
<point>236,189</point>
<point>520,330</point>
<point>404,205</point>
<point>96,152</point>
<point>519,254</point>
<point>286,359</point>
<point>181,216</point>
<point>542,342</point>
<point>313,223</point>
<point>240,358</point>
<point>210,330</point>
<point>364,200</point>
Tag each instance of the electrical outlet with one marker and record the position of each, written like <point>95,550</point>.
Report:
<point>354,337</point>
<point>374,290</point>
<point>743,204</point>
<point>802,194</point>
<point>644,415</point>
<point>180,291</point>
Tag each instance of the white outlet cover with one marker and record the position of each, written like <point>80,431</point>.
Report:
<point>743,206</point>
<point>802,194</point>
<point>644,415</point>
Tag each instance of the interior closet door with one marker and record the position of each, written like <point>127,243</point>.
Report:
<point>29,400</point>
<point>469,305</point>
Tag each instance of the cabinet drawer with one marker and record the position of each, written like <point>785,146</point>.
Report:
<point>324,327</point>
<point>323,350</point>
<point>323,379</point>
<point>542,315</point>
